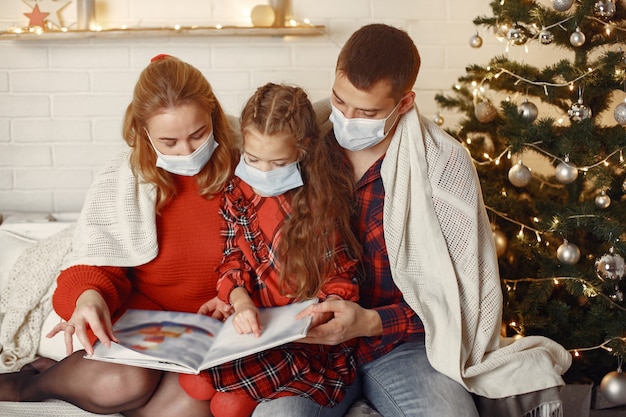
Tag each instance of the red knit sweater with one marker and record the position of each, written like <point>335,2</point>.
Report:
<point>180,278</point>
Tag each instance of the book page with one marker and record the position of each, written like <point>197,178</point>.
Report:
<point>278,327</point>
<point>168,337</point>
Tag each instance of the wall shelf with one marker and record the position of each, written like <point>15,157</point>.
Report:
<point>164,32</point>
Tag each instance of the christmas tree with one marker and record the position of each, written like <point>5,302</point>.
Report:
<point>560,229</point>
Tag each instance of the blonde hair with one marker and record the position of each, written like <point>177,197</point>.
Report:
<point>321,209</point>
<point>166,83</point>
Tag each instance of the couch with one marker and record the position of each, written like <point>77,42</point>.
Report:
<point>28,252</point>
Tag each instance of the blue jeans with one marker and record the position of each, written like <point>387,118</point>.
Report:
<point>400,384</point>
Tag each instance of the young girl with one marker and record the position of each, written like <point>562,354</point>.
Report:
<point>288,238</point>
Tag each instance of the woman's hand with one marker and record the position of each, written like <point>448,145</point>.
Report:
<point>91,312</point>
<point>216,308</point>
<point>349,320</point>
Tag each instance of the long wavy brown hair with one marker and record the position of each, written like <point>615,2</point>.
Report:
<point>321,209</point>
<point>167,83</point>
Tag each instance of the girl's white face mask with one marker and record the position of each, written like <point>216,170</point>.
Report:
<point>359,133</point>
<point>187,165</point>
<point>270,183</point>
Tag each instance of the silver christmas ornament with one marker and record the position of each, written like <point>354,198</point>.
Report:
<point>565,172</point>
<point>624,186</point>
<point>613,387</point>
<point>438,119</point>
<point>485,112</point>
<point>517,35</point>
<point>577,38</point>
<point>604,9</point>
<point>602,200</point>
<point>610,267</point>
<point>528,111</point>
<point>519,175</point>
<point>500,240</point>
<point>620,113</point>
<point>546,37</point>
<point>562,5</point>
<point>476,41</point>
<point>568,253</point>
<point>579,111</point>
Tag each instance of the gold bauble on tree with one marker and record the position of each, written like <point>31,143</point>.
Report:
<point>485,112</point>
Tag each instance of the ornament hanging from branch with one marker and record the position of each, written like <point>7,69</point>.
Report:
<point>562,5</point>
<point>613,385</point>
<point>528,111</point>
<point>485,112</point>
<point>579,111</point>
<point>610,267</point>
<point>519,175</point>
<point>620,113</point>
<point>577,38</point>
<point>517,35</point>
<point>604,9</point>
<point>602,200</point>
<point>476,41</point>
<point>565,172</point>
<point>568,253</point>
<point>546,37</point>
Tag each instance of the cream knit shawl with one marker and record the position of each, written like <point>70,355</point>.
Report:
<point>117,224</point>
<point>443,260</point>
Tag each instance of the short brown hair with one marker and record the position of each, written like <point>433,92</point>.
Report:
<point>380,52</point>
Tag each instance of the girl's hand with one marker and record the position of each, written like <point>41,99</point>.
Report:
<point>246,319</point>
<point>91,312</point>
<point>216,308</point>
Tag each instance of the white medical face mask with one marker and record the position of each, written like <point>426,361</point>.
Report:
<point>358,133</point>
<point>187,165</point>
<point>270,183</point>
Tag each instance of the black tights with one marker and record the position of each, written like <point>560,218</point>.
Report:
<point>103,388</point>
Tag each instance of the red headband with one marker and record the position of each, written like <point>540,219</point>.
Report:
<point>159,57</point>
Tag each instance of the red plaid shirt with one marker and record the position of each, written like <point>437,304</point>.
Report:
<point>377,289</point>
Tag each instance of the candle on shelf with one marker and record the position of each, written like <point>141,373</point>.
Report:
<point>86,13</point>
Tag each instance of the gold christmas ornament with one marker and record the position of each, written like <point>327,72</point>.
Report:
<point>485,112</point>
<point>262,15</point>
<point>500,240</point>
<point>476,41</point>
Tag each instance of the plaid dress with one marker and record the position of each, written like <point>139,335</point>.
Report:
<point>320,373</point>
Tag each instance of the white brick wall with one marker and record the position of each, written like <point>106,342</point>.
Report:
<point>62,101</point>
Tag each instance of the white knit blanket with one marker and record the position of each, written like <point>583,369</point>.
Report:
<point>443,260</point>
<point>117,224</point>
<point>25,301</point>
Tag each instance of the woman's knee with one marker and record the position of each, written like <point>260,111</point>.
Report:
<point>123,387</point>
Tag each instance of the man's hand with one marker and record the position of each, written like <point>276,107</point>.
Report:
<point>349,320</point>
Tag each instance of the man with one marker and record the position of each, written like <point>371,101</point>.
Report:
<point>430,303</point>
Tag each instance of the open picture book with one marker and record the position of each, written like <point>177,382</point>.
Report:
<point>190,343</point>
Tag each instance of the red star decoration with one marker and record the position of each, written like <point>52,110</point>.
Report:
<point>37,17</point>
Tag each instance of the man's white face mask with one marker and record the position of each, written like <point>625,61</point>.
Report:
<point>358,133</point>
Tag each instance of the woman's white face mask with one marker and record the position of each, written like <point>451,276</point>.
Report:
<point>187,165</point>
<point>359,133</point>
